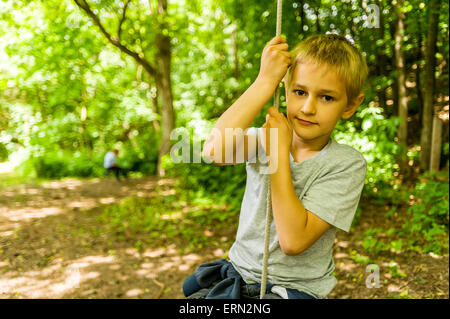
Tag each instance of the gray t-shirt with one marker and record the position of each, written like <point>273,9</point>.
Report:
<point>329,185</point>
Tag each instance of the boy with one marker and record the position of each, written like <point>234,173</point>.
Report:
<point>317,183</point>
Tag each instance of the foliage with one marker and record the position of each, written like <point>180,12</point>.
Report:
<point>162,219</point>
<point>429,215</point>
<point>425,223</point>
<point>71,99</point>
<point>379,150</point>
<point>61,164</point>
<point>372,243</point>
<point>3,153</point>
<point>223,184</point>
<point>67,96</point>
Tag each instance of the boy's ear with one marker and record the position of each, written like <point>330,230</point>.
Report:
<point>352,106</point>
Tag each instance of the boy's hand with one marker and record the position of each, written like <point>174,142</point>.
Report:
<point>275,60</point>
<point>275,119</point>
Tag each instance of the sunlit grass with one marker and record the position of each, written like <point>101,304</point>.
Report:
<point>162,219</point>
<point>11,179</point>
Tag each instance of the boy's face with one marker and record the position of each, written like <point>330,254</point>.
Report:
<point>316,94</point>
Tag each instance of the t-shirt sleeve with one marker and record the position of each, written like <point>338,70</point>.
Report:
<point>334,197</point>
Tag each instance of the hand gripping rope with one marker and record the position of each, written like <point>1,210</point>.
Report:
<point>269,198</point>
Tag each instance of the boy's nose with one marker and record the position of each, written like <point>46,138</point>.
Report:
<point>310,106</point>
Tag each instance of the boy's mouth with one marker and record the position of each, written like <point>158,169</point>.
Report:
<point>304,122</point>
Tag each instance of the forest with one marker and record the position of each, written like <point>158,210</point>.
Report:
<point>80,78</point>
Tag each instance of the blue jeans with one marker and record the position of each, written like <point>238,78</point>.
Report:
<point>117,171</point>
<point>219,280</point>
<point>252,291</point>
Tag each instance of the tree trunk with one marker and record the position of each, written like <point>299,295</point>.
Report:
<point>428,99</point>
<point>418,69</point>
<point>164,85</point>
<point>316,11</point>
<point>155,107</point>
<point>381,58</point>
<point>393,110</point>
<point>401,77</point>
<point>302,17</point>
<point>436,143</point>
<point>153,97</point>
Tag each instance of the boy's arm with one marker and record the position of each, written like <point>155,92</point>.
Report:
<point>274,63</point>
<point>297,228</point>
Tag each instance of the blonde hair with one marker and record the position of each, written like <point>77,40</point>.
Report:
<point>337,52</point>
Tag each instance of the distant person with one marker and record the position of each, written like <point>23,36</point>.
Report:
<point>110,163</point>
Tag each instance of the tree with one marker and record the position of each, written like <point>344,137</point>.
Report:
<point>157,66</point>
<point>429,89</point>
<point>401,76</point>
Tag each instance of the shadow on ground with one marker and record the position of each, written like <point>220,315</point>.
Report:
<point>53,246</point>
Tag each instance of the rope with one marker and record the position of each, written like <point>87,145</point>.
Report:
<point>278,33</point>
<point>269,198</point>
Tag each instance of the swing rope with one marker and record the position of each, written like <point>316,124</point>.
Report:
<point>269,198</point>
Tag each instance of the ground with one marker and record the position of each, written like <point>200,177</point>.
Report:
<point>50,247</point>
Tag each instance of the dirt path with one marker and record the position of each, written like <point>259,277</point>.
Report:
<point>50,248</point>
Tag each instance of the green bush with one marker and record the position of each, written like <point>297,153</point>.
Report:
<point>3,153</point>
<point>61,164</point>
<point>426,223</point>
<point>373,135</point>
<point>51,161</point>
<point>430,211</point>
<point>223,184</point>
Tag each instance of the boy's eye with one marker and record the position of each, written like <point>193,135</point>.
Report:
<point>299,92</point>
<point>327,98</point>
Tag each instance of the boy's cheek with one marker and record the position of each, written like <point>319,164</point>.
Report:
<point>290,121</point>
<point>291,113</point>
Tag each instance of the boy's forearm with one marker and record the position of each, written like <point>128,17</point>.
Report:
<point>289,214</point>
<point>242,112</point>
